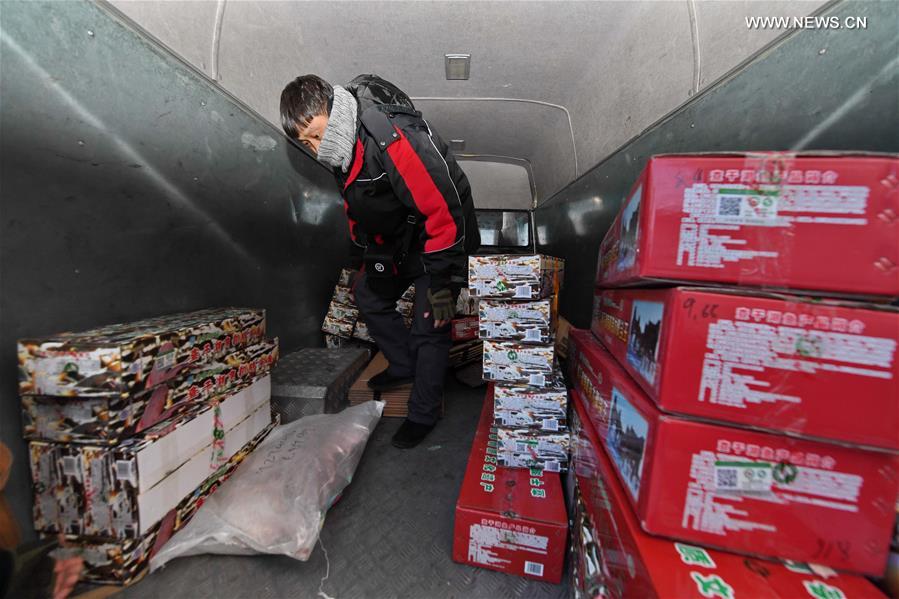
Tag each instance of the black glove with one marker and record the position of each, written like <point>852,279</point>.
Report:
<point>443,306</point>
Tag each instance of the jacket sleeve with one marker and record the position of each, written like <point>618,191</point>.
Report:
<point>421,179</point>
<point>354,260</point>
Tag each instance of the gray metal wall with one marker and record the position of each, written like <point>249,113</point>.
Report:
<point>816,89</point>
<point>132,186</point>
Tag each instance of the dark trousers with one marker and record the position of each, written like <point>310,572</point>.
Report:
<point>422,352</point>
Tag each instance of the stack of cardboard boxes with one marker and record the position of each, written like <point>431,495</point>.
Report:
<point>511,513</point>
<point>344,326</point>
<point>131,426</point>
<point>517,316</point>
<point>467,347</point>
<point>734,418</point>
<point>612,556</point>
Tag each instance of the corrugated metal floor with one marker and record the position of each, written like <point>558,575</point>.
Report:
<point>389,536</point>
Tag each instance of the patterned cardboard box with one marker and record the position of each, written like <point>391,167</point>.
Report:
<point>340,320</point>
<point>466,304</point>
<point>122,359</point>
<point>552,399</point>
<point>515,277</point>
<point>466,352</point>
<point>528,449</point>
<point>346,277</point>
<point>533,419</point>
<point>108,420</point>
<point>536,463</point>
<point>517,363</point>
<point>335,342</point>
<point>123,561</point>
<point>406,307</point>
<point>343,295</point>
<point>343,319</point>
<point>122,491</point>
<point>361,333</point>
<point>525,322</point>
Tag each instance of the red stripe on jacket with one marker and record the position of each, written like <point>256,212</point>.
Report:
<point>346,209</point>
<point>357,164</point>
<point>439,223</point>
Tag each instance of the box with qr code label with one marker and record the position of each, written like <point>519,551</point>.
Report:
<point>549,400</point>
<point>772,361</point>
<point>539,449</point>
<point>121,491</point>
<point>770,219</point>
<point>624,557</point>
<point>524,322</point>
<point>108,420</point>
<point>744,490</point>
<point>531,461</point>
<point>121,360</point>
<point>509,519</point>
<point>533,419</point>
<point>521,277</point>
<point>508,362</point>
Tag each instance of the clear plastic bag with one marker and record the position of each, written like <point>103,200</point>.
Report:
<point>277,499</point>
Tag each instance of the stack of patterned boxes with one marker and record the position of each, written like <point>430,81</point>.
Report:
<point>517,319</point>
<point>739,419</point>
<point>467,348</point>
<point>131,426</point>
<point>343,326</point>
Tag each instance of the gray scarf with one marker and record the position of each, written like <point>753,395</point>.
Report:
<point>336,148</point>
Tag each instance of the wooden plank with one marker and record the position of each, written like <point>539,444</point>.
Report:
<point>98,592</point>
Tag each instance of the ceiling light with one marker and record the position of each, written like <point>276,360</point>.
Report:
<point>457,145</point>
<point>458,66</point>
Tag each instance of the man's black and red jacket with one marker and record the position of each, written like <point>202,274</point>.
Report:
<point>401,167</point>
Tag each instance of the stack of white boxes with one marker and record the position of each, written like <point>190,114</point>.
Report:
<point>517,319</point>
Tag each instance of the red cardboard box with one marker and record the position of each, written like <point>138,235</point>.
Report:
<point>509,519</point>
<point>766,360</point>
<point>635,564</point>
<point>743,490</point>
<point>816,222</point>
<point>464,329</point>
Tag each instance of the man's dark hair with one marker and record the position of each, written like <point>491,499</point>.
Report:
<point>303,99</point>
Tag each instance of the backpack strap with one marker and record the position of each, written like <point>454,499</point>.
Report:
<point>376,120</point>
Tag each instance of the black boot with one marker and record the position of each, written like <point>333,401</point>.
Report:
<point>411,434</point>
<point>384,381</point>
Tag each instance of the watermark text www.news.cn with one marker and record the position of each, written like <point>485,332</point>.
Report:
<point>833,22</point>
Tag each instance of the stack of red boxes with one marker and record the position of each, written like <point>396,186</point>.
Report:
<point>509,519</point>
<point>756,422</point>
<point>511,513</point>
